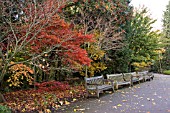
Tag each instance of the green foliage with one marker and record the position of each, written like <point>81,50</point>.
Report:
<point>166,22</point>
<point>4,109</point>
<point>143,41</point>
<point>167,72</point>
<point>165,61</point>
<point>118,60</point>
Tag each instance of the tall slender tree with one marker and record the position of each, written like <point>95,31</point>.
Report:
<point>166,38</point>
<point>142,40</point>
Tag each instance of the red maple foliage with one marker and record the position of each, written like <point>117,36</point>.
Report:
<point>51,86</point>
<point>59,36</point>
<point>43,31</point>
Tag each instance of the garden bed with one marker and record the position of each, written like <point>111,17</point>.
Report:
<point>34,101</point>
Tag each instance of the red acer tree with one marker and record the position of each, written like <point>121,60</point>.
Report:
<point>64,43</point>
<point>33,34</point>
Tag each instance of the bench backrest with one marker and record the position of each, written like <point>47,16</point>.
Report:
<point>127,76</point>
<point>133,73</point>
<point>115,77</point>
<point>94,80</point>
<point>144,73</point>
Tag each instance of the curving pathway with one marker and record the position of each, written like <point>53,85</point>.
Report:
<point>148,97</point>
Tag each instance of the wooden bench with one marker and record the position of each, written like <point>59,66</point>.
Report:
<point>145,75</point>
<point>96,85</point>
<point>151,75</point>
<point>119,79</point>
<point>148,76</point>
<point>137,77</point>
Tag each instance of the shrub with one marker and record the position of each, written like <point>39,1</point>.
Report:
<point>4,109</point>
<point>52,86</point>
<point>167,72</point>
<point>20,75</point>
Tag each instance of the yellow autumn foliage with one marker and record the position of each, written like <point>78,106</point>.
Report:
<point>95,67</point>
<point>140,65</point>
<point>19,73</point>
<point>96,54</point>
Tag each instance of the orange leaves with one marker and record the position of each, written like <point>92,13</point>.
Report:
<point>19,73</point>
<point>32,101</point>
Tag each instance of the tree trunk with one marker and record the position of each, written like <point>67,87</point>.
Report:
<point>2,99</point>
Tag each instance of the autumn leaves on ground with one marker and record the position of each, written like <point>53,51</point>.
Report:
<point>45,45</point>
<point>45,99</point>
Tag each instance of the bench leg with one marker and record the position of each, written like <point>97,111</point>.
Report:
<point>113,89</point>
<point>117,87</point>
<point>149,78</point>
<point>87,94</point>
<point>131,84</point>
<point>97,95</point>
<point>143,80</point>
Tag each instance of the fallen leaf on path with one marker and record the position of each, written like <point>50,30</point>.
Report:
<point>119,105</point>
<point>67,103</point>
<point>124,100</point>
<point>78,109</point>
<point>109,92</point>
<point>61,102</point>
<point>122,92</point>
<point>148,99</point>
<point>135,95</point>
<point>153,103</point>
<point>48,111</point>
<point>115,107</point>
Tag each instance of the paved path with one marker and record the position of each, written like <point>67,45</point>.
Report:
<point>148,97</point>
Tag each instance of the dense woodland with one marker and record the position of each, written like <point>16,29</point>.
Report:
<point>47,44</point>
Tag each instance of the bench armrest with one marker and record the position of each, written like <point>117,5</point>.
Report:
<point>136,76</point>
<point>94,84</point>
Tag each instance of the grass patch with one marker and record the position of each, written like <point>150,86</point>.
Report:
<point>166,72</point>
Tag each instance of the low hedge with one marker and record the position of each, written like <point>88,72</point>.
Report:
<point>4,109</point>
<point>167,72</point>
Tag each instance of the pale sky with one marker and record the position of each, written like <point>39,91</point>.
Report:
<point>155,7</point>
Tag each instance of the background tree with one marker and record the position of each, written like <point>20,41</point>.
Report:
<point>165,62</point>
<point>96,55</point>
<point>105,17</point>
<point>143,41</point>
